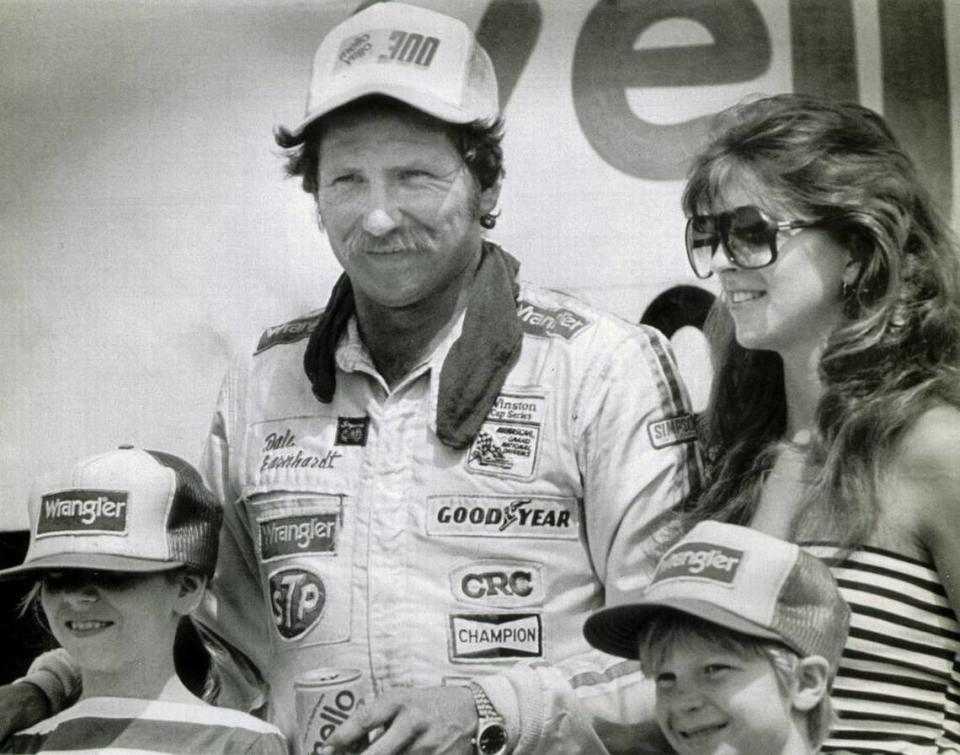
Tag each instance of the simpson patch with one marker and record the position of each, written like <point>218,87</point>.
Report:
<point>672,431</point>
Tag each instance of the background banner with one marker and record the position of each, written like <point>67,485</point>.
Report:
<point>148,232</point>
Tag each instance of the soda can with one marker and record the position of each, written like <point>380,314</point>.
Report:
<point>325,698</point>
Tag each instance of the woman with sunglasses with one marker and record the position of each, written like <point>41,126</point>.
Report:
<point>834,418</point>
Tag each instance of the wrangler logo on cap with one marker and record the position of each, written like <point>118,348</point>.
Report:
<point>701,560</point>
<point>83,511</point>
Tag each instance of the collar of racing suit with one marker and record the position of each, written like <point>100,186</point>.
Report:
<point>477,364</point>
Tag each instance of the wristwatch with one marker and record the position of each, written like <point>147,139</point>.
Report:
<point>491,737</point>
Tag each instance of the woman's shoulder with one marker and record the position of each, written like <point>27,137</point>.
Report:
<point>931,445</point>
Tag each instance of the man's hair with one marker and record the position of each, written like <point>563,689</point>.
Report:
<point>669,629</point>
<point>477,143</point>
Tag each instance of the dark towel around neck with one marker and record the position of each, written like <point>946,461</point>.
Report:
<point>477,364</point>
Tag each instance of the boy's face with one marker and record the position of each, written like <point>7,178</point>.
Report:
<point>710,700</point>
<point>108,621</point>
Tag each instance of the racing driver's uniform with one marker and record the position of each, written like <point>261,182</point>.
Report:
<point>354,538</point>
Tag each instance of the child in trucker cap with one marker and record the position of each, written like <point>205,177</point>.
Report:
<point>122,546</point>
<point>742,633</point>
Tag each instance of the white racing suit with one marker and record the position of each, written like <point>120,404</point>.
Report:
<point>354,539</point>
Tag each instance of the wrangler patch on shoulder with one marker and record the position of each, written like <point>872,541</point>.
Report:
<point>289,332</point>
<point>543,322</point>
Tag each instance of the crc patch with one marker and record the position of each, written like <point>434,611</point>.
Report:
<point>481,637</point>
<point>81,512</point>
<point>508,442</point>
<point>309,534</point>
<point>503,516</point>
<point>352,431</point>
<point>701,561</point>
<point>672,431</point>
<point>503,584</point>
<point>289,332</point>
<point>543,322</point>
<point>297,600</point>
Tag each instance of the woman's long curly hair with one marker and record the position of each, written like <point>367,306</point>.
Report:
<point>894,356</point>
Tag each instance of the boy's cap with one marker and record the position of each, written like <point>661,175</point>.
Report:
<point>426,59</point>
<point>124,510</point>
<point>741,579</point>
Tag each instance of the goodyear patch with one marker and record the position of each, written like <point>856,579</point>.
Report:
<point>503,516</point>
<point>544,322</point>
<point>297,599</point>
<point>503,584</point>
<point>289,332</point>
<point>481,637</point>
<point>672,431</point>
<point>708,561</point>
<point>80,512</point>
<point>508,442</point>
<point>301,535</point>
<point>352,431</point>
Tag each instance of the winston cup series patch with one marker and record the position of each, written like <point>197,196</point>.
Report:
<point>83,512</point>
<point>508,442</point>
<point>708,561</point>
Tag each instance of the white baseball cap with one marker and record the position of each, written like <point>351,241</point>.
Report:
<point>423,58</point>
<point>124,510</point>
<point>741,579</point>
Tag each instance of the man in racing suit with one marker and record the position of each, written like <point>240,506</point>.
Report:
<point>438,477</point>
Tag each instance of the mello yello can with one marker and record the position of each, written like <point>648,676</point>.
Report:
<point>325,698</point>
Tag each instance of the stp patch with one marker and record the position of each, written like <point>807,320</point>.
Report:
<point>297,599</point>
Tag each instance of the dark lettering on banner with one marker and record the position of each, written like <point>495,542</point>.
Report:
<point>605,65</point>
<point>476,516</point>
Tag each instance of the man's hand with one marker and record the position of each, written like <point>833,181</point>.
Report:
<point>439,720</point>
<point>21,705</point>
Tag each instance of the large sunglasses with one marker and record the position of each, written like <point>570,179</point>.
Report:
<point>76,579</point>
<point>747,235</point>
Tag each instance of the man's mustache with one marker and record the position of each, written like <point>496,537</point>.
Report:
<point>399,240</point>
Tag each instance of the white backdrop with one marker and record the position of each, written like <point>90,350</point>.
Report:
<point>147,231</point>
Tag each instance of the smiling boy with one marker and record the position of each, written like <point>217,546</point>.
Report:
<point>742,633</point>
<point>121,547</point>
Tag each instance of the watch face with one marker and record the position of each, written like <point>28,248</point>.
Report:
<point>492,739</point>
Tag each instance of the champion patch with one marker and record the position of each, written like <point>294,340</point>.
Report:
<point>297,600</point>
<point>289,332</point>
<point>498,583</point>
<point>81,512</point>
<point>314,534</point>
<point>543,322</point>
<point>672,431</point>
<point>352,431</point>
<point>521,517</point>
<point>480,637</point>
<point>701,560</point>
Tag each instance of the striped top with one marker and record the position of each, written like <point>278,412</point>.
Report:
<point>898,686</point>
<point>148,727</point>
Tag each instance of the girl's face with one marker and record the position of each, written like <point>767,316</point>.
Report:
<point>794,304</point>
<point>111,621</point>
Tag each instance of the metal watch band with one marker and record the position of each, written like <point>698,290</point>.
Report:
<point>485,708</point>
